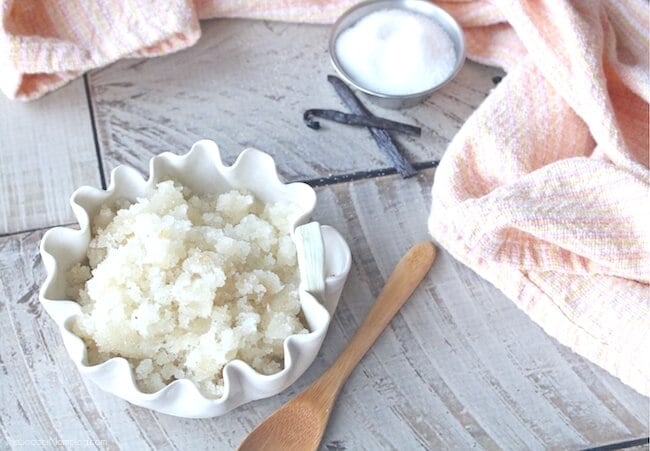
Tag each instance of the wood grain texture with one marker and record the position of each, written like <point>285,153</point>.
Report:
<point>246,84</point>
<point>459,367</point>
<point>46,151</point>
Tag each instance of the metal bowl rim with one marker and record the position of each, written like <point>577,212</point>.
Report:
<point>391,4</point>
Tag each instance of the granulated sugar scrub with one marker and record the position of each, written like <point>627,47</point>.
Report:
<point>397,49</point>
<point>175,292</point>
<point>180,284</point>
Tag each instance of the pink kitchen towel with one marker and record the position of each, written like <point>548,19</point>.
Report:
<point>544,191</point>
<point>44,44</point>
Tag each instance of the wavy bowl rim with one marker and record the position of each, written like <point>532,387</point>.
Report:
<point>83,220</point>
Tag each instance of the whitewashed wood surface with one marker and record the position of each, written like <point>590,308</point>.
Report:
<point>460,366</point>
<point>46,151</point>
<point>246,84</point>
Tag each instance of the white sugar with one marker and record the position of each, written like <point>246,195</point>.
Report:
<point>396,52</point>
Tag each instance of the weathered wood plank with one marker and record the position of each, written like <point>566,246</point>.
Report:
<point>246,84</point>
<point>459,367</point>
<point>46,151</point>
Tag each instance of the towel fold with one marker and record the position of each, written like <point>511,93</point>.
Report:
<point>44,45</point>
<point>544,191</point>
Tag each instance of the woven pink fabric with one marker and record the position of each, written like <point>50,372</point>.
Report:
<point>545,190</point>
<point>46,43</point>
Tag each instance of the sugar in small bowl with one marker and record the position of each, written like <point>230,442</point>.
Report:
<point>397,52</point>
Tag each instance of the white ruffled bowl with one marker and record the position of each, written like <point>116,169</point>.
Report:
<point>203,172</point>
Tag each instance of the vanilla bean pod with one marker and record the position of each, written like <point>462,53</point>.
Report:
<point>381,136</point>
<point>357,120</point>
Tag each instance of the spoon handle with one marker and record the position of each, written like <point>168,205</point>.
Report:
<point>300,424</point>
<point>407,275</point>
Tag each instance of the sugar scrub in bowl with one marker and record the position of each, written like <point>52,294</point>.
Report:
<point>397,52</point>
<point>197,290</point>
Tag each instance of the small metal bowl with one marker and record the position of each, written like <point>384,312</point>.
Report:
<point>423,7</point>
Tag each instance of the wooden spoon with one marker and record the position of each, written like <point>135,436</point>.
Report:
<point>300,423</point>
